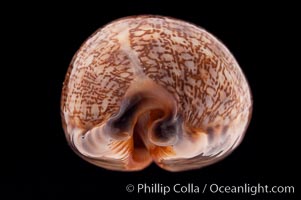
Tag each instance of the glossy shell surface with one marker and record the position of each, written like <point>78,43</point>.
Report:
<point>146,89</point>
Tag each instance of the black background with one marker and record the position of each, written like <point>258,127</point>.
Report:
<point>261,37</point>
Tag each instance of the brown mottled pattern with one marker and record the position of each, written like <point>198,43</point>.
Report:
<point>95,78</point>
<point>209,88</point>
<point>194,67</point>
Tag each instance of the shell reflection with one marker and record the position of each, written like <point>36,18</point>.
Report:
<point>151,88</point>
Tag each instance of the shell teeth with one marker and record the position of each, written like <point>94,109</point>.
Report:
<point>121,147</point>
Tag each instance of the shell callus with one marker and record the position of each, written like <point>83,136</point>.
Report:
<point>151,88</point>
